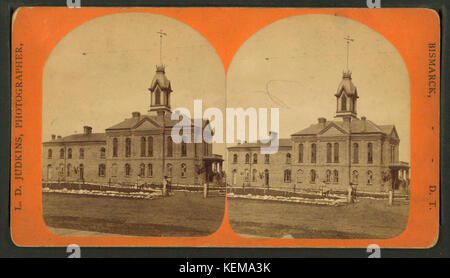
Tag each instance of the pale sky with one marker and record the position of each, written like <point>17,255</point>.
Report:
<point>302,58</point>
<point>100,72</point>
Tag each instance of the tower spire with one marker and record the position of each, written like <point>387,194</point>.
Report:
<point>161,34</point>
<point>348,39</point>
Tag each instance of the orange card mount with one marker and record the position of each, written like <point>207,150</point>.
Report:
<point>366,172</point>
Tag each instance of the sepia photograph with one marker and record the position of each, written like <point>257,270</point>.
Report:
<point>342,166</point>
<point>110,166</point>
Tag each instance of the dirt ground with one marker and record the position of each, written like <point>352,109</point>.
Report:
<point>367,218</point>
<point>183,214</point>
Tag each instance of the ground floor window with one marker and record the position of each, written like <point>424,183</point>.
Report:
<point>287,175</point>
<point>355,177</point>
<point>335,176</point>
<point>101,170</point>
<point>142,170</point>
<point>369,177</point>
<point>255,174</point>
<point>313,176</point>
<point>183,170</point>
<point>127,170</point>
<point>299,175</point>
<point>149,170</point>
<point>328,176</point>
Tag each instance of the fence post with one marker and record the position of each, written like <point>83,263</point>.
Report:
<point>205,191</point>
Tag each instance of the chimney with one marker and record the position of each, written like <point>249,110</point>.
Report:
<point>59,137</point>
<point>136,114</point>
<point>87,130</point>
<point>322,122</point>
<point>363,118</point>
<point>53,136</point>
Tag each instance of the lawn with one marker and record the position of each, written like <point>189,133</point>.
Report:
<point>182,214</point>
<point>367,218</point>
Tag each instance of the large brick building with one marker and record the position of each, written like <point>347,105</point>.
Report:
<point>138,149</point>
<point>338,152</point>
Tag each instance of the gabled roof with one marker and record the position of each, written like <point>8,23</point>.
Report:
<point>357,126</point>
<point>134,122</point>
<point>282,142</point>
<point>347,86</point>
<point>92,137</point>
<point>161,80</point>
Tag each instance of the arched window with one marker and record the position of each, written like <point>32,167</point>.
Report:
<point>369,177</point>
<point>335,176</point>
<point>313,176</point>
<point>267,158</point>
<point>128,147</point>
<point>150,146</point>
<point>313,153</point>
<point>169,170</point>
<point>61,153</point>
<point>61,170</point>
<point>255,158</point>
<point>142,170</point>
<point>157,96</point>
<point>101,170</point>
<point>235,158</point>
<point>114,170</point>
<point>115,147</point>
<point>183,170</point>
<point>355,153</point>
<point>127,170</point>
<point>336,152</point>
<point>300,153</point>
<point>343,103</point>
<point>299,175</point>
<point>69,169</point>
<point>69,153</point>
<point>169,146</point>
<point>81,167</point>
<point>49,172</point>
<point>149,170</point>
<point>328,176</point>
<point>81,153</point>
<point>288,158</point>
<point>247,175</point>
<point>247,158</point>
<point>369,153</point>
<point>355,177</point>
<point>329,152</point>
<point>49,154</point>
<point>183,149</point>
<point>102,153</point>
<point>254,175</point>
<point>234,177</point>
<point>143,146</point>
<point>287,175</point>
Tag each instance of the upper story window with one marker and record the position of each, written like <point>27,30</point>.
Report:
<point>81,153</point>
<point>128,147</point>
<point>183,149</point>
<point>61,153</point>
<point>115,147</point>
<point>355,153</point>
<point>143,146</point>
<point>69,153</point>
<point>300,153</point>
<point>150,146</point>
<point>247,158</point>
<point>102,153</point>
<point>369,153</point>
<point>235,158</point>
<point>313,153</point>
<point>49,154</point>
<point>255,158</point>
<point>336,152</point>
<point>329,152</point>
<point>288,158</point>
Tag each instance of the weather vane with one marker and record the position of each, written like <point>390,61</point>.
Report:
<point>161,34</point>
<point>348,39</point>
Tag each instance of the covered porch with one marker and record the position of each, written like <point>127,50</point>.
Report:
<point>213,168</point>
<point>400,176</point>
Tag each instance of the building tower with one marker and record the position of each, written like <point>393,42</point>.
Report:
<point>346,97</point>
<point>160,91</point>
